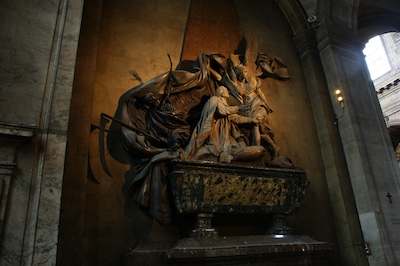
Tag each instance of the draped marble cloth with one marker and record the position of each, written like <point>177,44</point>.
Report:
<point>216,132</point>
<point>149,156</point>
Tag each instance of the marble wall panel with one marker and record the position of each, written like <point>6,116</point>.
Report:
<point>70,248</point>
<point>17,207</point>
<point>14,189</point>
<point>61,100</point>
<point>26,38</point>
<point>40,49</point>
<point>48,195</point>
<point>48,210</point>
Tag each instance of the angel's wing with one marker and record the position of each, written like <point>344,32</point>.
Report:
<point>250,56</point>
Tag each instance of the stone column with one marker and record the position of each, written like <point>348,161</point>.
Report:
<point>368,153</point>
<point>340,192</point>
<point>39,43</point>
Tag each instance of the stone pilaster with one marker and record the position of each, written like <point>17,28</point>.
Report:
<point>36,90</point>
<point>340,192</point>
<point>365,142</point>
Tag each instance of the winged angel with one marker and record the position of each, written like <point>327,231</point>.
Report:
<point>214,110</point>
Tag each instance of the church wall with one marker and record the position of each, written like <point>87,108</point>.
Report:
<point>38,41</point>
<point>137,35</point>
<point>370,160</point>
<point>28,29</point>
<point>38,52</point>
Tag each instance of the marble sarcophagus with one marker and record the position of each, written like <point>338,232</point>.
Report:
<point>206,188</point>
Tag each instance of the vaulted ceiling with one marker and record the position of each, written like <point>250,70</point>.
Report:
<point>368,17</point>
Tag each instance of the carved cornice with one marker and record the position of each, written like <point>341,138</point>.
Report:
<point>389,86</point>
<point>6,169</point>
<point>341,38</point>
<point>305,41</point>
<point>10,137</point>
<point>375,23</point>
<point>11,133</point>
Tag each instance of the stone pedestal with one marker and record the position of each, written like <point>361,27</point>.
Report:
<point>235,250</point>
<point>206,188</point>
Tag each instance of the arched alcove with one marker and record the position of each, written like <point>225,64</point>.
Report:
<point>112,43</point>
<point>345,147</point>
<point>378,21</point>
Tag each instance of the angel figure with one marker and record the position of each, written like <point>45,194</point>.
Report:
<point>242,79</point>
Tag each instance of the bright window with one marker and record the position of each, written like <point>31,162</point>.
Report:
<point>376,58</point>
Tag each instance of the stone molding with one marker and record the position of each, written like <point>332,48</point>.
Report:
<point>11,136</point>
<point>15,133</point>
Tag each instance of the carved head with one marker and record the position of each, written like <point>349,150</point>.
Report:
<point>243,73</point>
<point>222,91</point>
<point>150,99</point>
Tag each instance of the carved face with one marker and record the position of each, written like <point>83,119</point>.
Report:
<point>150,99</point>
<point>223,92</point>
<point>243,73</point>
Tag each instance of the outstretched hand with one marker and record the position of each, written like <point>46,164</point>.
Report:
<point>258,119</point>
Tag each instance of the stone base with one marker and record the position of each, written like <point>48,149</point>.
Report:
<point>237,250</point>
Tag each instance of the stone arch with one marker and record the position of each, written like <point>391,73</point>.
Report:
<point>336,49</point>
<point>295,14</point>
<point>329,12</point>
<point>341,13</point>
<point>374,23</point>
